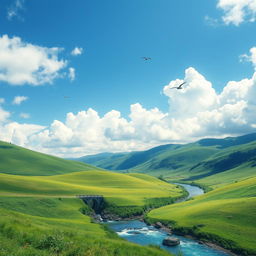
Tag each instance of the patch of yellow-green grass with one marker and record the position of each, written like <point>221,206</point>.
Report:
<point>56,226</point>
<point>22,161</point>
<point>227,177</point>
<point>229,212</point>
<point>120,189</point>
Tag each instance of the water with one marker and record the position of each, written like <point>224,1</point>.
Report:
<point>140,233</point>
<point>192,191</point>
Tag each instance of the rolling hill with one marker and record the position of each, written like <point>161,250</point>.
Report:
<point>225,215</point>
<point>191,161</point>
<point>40,214</point>
<point>22,161</point>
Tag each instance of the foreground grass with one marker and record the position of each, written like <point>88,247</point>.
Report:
<point>120,189</point>
<point>227,213</point>
<point>51,226</point>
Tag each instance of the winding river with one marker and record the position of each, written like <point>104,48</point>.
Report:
<point>140,233</point>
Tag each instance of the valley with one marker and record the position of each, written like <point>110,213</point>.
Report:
<point>41,214</point>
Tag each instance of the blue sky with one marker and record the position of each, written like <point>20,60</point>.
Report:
<point>208,36</point>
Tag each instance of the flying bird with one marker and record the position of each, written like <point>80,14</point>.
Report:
<point>178,87</point>
<point>67,97</point>
<point>146,58</point>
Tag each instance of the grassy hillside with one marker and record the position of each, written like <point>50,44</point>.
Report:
<point>190,161</point>
<point>21,161</point>
<point>226,215</point>
<point>121,189</point>
<point>40,214</point>
<point>51,226</point>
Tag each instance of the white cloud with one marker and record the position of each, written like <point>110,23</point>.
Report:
<point>196,111</point>
<point>251,58</point>
<point>2,100</point>
<point>238,11</point>
<point>14,9</point>
<point>4,115</point>
<point>19,99</point>
<point>25,115</point>
<point>72,74</point>
<point>77,51</point>
<point>23,63</point>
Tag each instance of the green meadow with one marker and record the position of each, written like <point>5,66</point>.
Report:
<point>120,189</point>
<point>55,226</point>
<point>22,161</point>
<point>225,215</point>
<point>40,214</point>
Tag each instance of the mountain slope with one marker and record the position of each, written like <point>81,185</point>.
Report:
<point>21,161</point>
<point>190,161</point>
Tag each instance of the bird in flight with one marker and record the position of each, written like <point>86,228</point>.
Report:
<point>146,58</point>
<point>66,97</point>
<point>178,87</point>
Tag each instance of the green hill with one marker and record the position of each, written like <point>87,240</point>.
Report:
<point>21,161</point>
<point>226,215</point>
<point>191,161</point>
<point>121,189</point>
<point>56,226</point>
<point>40,214</point>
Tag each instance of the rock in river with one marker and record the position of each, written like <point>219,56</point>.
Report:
<point>171,241</point>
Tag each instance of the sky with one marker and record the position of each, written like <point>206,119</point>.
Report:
<point>73,80</point>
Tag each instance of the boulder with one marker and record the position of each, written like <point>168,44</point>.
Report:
<point>171,241</point>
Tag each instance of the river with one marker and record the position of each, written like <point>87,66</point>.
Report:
<point>140,233</point>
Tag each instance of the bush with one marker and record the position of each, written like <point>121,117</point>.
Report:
<point>54,243</point>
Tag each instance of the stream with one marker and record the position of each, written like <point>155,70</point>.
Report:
<point>140,233</point>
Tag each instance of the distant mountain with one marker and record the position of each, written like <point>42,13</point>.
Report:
<point>194,160</point>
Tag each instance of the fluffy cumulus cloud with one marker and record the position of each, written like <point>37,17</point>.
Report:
<point>238,11</point>
<point>196,111</point>
<point>24,63</point>
<point>77,51</point>
<point>19,99</point>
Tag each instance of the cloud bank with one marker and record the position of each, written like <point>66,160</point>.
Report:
<point>197,111</point>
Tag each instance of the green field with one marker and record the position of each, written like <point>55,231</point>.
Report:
<point>21,161</point>
<point>227,212</point>
<point>51,226</point>
<point>40,214</point>
<point>120,189</point>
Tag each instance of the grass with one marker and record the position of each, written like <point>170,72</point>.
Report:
<point>228,213</point>
<point>52,226</point>
<point>195,161</point>
<point>40,214</point>
<point>120,189</point>
<point>21,161</point>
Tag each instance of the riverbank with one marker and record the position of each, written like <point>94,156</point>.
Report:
<point>168,229</point>
<point>222,217</point>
